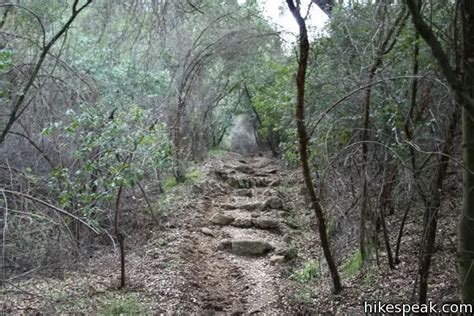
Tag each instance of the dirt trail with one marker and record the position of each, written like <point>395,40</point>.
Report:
<point>239,238</point>
<point>221,250</point>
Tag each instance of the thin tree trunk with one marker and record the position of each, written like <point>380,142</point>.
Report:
<point>367,230</point>
<point>408,128</point>
<point>179,172</point>
<point>383,205</point>
<point>432,209</point>
<point>400,231</point>
<point>120,237</point>
<point>303,141</point>
<point>259,120</point>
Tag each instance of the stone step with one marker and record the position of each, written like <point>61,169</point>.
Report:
<point>248,206</point>
<point>259,222</point>
<point>273,202</point>
<point>246,247</point>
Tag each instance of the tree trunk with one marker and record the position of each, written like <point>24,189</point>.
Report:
<point>466,224</point>
<point>367,237</point>
<point>303,141</point>
<point>120,237</point>
<point>462,83</point>
<point>179,172</point>
<point>432,208</point>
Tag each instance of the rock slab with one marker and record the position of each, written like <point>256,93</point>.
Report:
<point>250,247</point>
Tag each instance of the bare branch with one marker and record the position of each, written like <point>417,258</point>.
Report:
<point>57,209</point>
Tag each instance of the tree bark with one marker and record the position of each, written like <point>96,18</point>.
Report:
<point>466,225</point>
<point>303,143</point>
<point>432,208</point>
<point>120,237</point>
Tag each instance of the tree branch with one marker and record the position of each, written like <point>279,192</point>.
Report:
<point>430,38</point>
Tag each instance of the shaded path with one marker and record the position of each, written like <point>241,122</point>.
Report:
<point>240,237</point>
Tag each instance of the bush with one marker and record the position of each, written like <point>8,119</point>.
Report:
<point>307,274</point>
<point>352,266</point>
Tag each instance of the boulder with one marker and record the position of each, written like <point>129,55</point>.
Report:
<point>250,247</point>
<point>274,203</point>
<point>221,219</point>
<point>243,135</point>
<point>265,222</point>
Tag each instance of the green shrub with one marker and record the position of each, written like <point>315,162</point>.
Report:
<point>194,175</point>
<point>352,266</point>
<point>191,176</point>
<point>308,273</point>
<point>169,183</point>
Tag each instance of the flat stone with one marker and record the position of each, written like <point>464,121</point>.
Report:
<point>277,259</point>
<point>250,247</point>
<point>207,231</point>
<point>242,222</point>
<point>265,222</point>
<point>221,219</point>
<point>274,203</point>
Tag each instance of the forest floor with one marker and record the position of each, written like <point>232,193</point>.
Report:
<point>238,241</point>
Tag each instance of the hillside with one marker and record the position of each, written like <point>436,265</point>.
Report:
<point>239,240</point>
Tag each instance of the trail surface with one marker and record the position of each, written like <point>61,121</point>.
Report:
<point>240,237</point>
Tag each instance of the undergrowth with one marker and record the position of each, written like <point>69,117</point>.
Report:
<point>306,274</point>
<point>352,266</point>
<point>122,306</point>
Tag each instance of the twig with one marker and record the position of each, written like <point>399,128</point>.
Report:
<point>57,209</point>
<point>145,196</point>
